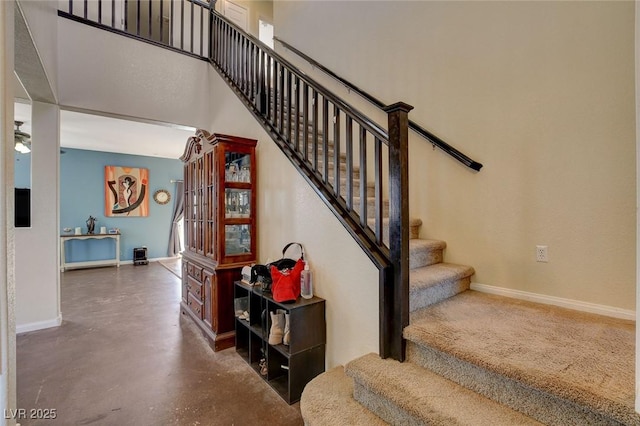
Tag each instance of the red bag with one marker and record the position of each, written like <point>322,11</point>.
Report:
<point>285,276</point>
<point>286,284</point>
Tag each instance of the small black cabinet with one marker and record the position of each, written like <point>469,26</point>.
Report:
<point>140,256</point>
<point>289,368</point>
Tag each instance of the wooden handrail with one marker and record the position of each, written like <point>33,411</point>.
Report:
<point>435,140</point>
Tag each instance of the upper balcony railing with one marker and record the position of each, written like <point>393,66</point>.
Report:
<point>180,25</point>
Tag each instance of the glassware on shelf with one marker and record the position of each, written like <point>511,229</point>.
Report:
<point>237,203</point>
<point>231,172</point>
<point>237,167</point>
<point>237,239</point>
<point>245,174</point>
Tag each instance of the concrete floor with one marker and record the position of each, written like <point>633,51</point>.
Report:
<point>124,355</point>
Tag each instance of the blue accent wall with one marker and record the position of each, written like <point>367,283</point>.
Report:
<point>22,170</point>
<point>82,195</point>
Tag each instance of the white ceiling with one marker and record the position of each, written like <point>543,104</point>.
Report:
<point>100,133</point>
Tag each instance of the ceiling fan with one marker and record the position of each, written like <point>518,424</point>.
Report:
<point>22,140</point>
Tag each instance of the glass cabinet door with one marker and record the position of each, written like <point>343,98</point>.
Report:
<point>237,239</point>
<point>220,199</point>
<point>237,206</point>
<point>237,203</point>
<point>237,167</point>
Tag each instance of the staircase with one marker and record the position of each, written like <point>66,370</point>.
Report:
<point>479,359</point>
<point>475,358</point>
<point>472,358</point>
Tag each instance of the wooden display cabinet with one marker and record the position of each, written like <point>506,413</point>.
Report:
<point>219,229</point>
<point>291,367</point>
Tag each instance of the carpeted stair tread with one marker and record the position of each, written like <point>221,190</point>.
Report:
<point>584,359</point>
<point>404,393</point>
<point>435,274</point>
<point>429,244</point>
<point>425,252</point>
<point>434,283</point>
<point>328,400</point>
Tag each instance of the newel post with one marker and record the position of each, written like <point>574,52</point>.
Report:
<point>394,291</point>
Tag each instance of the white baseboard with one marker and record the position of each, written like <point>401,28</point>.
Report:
<point>577,305</point>
<point>155,259</point>
<point>130,262</point>
<point>39,325</point>
<point>159,259</point>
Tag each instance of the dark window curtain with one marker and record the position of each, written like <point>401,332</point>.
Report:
<point>178,213</point>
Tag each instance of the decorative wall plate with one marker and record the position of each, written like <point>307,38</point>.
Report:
<point>162,196</point>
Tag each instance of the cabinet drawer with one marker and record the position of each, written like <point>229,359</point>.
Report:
<point>195,271</point>
<point>195,287</point>
<point>195,305</point>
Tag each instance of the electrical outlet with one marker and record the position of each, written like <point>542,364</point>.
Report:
<point>542,254</point>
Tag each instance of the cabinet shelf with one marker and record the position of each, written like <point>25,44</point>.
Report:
<point>238,185</point>
<point>257,330</point>
<point>289,367</point>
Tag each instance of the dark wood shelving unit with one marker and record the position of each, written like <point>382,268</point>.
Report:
<point>289,368</point>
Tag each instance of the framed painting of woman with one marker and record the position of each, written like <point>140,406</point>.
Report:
<point>126,191</point>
